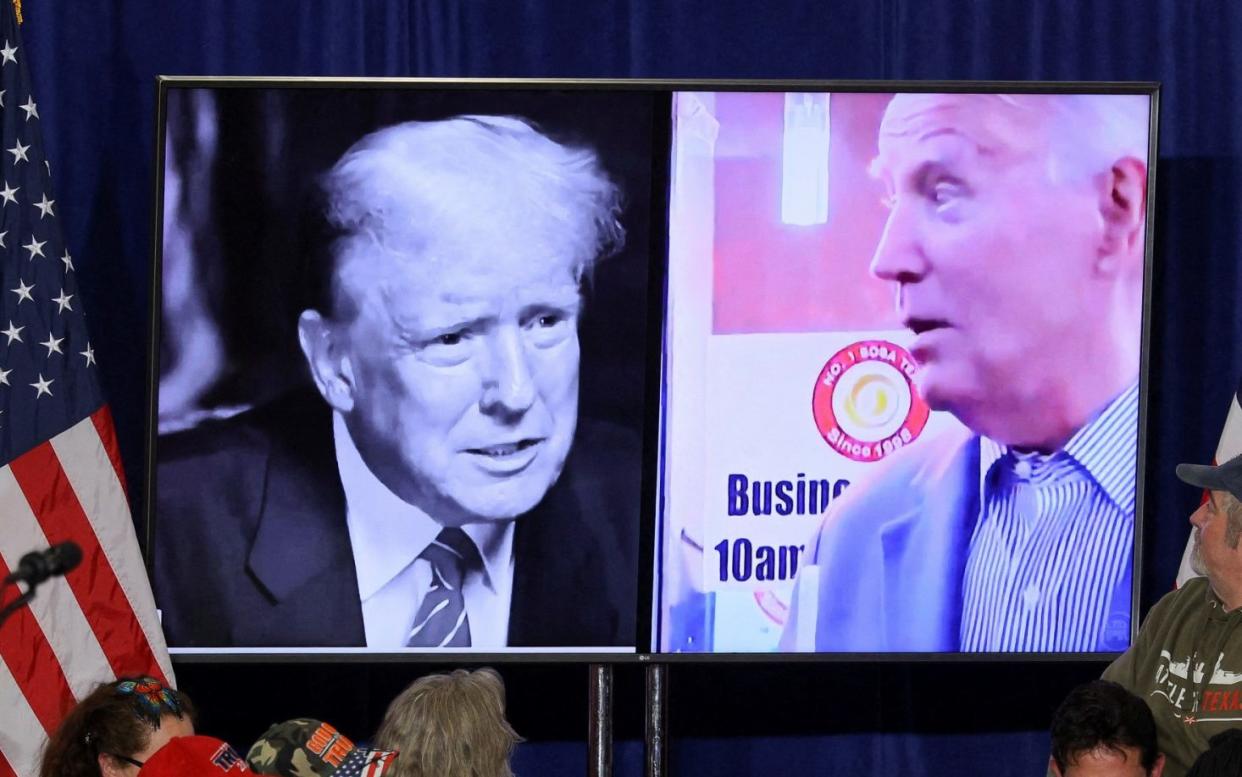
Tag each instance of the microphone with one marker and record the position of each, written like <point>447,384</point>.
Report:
<point>37,566</point>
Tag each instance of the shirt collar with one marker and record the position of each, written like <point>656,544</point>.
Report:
<point>388,533</point>
<point>1095,447</point>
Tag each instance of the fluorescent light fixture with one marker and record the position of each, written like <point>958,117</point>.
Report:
<point>804,168</point>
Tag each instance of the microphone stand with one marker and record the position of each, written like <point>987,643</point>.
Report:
<point>16,604</point>
<point>36,568</point>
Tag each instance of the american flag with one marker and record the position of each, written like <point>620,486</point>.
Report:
<point>1230,445</point>
<point>60,470</point>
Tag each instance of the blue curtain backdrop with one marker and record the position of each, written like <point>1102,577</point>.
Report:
<point>94,65</point>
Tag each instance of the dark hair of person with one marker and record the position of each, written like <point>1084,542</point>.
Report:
<point>1223,758</point>
<point>116,718</point>
<point>1103,715</point>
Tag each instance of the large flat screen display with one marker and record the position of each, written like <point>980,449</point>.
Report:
<point>402,362</point>
<point>903,349</point>
<point>609,369</point>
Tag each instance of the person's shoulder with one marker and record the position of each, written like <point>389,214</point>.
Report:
<point>906,478</point>
<point>194,465</point>
<point>939,468</point>
<point>1177,609</point>
<point>1190,595</point>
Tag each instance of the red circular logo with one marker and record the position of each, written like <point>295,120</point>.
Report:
<point>865,403</point>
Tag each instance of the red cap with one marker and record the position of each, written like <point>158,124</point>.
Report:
<point>195,757</point>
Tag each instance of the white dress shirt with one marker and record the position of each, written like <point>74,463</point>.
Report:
<point>387,535</point>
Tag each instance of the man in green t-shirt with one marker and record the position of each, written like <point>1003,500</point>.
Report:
<point>1187,661</point>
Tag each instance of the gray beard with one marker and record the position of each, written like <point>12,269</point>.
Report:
<point>1196,557</point>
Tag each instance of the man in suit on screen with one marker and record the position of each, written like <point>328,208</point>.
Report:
<point>1015,245</point>
<point>438,488</point>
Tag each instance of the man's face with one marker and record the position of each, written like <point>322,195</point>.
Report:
<point>989,247</point>
<point>1106,762</point>
<point>1215,552</point>
<point>462,354</point>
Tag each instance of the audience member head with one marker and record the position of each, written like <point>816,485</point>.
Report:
<point>1218,527</point>
<point>1223,758</point>
<point>1103,730</point>
<point>304,748</point>
<point>116,728</point>
<point>450,725</point>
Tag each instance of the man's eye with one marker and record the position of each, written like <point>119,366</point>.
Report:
<point>446,349</point>
<point>549,328</point>
<point>944,192</point>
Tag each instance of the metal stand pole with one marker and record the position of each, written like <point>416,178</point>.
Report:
<point>656,731</point>
<point>599,728</point>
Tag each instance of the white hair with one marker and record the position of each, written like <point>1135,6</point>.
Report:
<point>411,176</point>
<point>1087,133</point>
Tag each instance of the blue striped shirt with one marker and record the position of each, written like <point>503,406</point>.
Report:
<point>1049,566</point>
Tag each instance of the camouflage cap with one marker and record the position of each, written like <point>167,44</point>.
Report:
<point>310,748</point>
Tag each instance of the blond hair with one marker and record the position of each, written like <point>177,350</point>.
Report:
<point>450,725</point>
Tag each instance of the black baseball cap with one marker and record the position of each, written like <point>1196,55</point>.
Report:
<point>1222,477</point>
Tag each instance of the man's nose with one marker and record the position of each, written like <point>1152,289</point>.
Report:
<point>1198,517</point>
<point>899,255</point>
<point>508,386</point>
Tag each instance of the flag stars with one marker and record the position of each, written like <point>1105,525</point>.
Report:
<point>45,207</point>
<point>43,386</point>
<point>23,291</point>
<point>9,193</point>
<point>31,109</point>
<point>4,377</point>
<point>53,344</point>
<point>35,247</point>
<point>67,259</point>
<point>89,353</point>
<point>19,152</point>
<point>62,302</point>
<point>13,333</point>
<point>9,54</point>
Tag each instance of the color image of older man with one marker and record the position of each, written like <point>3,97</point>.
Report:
<point>437,488</point>
<point>1015,247</point>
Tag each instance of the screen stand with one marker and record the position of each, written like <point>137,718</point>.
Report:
<point>656,730</point>
<point>599,729</point>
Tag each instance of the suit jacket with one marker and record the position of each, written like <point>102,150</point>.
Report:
<point>251,546</point>
<point>892,555</point>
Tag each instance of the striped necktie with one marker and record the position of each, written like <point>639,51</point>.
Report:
<point>441,618</point>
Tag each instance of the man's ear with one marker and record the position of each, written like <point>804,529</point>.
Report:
<point>1052,767</point>
<point>1123,206</point>
<point>328,359</point>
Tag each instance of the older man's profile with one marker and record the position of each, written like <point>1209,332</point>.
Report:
<point>436,485</point>
<point>1014,245</point>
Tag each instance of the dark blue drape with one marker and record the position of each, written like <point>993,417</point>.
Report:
<point>94,65</point>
